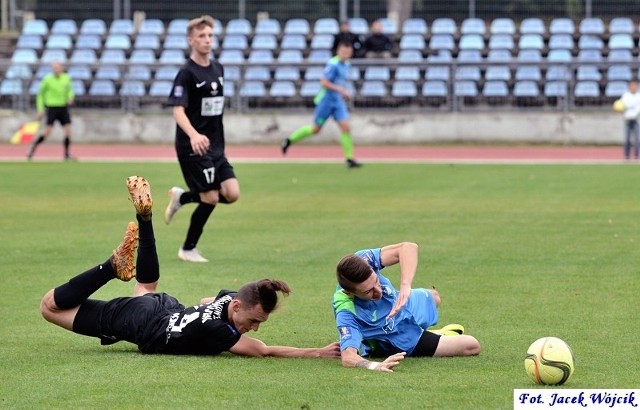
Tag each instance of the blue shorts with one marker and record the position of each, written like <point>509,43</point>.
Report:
<point>423,307</point>
<point>330,108</point>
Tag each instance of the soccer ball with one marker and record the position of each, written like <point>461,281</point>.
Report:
<point>618,106</point>
<point>549,360</point>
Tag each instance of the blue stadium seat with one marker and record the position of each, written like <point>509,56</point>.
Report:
<point>287,73</point>
<point>561,41</point>
<point>561,25</point>
<point>310,88</point>
<point>381,73</point>
<point>499,56</point>
<point>354,74</point>
<point>51,55</point>
<point>326,25</point>
<point>121,26</point>
<point>42,71</point>
<point>529,56</point>
<point>94,26</point>
<point>531,41</point>
<point>160,88</point>
<point>117,41</point>
<point>138,72</point>
<point>239,26</point>
<point>91,41</point>
<point>414,25</point>
<point>217,27</point>
<point>24,56</point>
<point>621,25</point>
<point>132,88</point>
<point>231,57</point>
<point>257,74</point>
<point>359,26</point>
<point>108,72</point>
<point>495,90</point>
<point>620,56</point>
<point>260,57</point>
<point>444,25</point>
<point>435,89</point>
<point>556,89</point>
<point>64,26</point>
<point>407,73</point>
<point>168,72</point>
<point>526,89</point>
<point>592,25</point>
<point>83,56</point>
<point>588,73</point>
<point>34,87</point>
<point>231,73</point>
<point>33,41</point>
<point>412,42</point>
<point>322,41</point>
<point>59,41</point>
<point>102,88</point>
<point>619,73</point>
<point>177,41</point>
<point>589,41</point>
<point>558,73</point>
<point>178,27</point>
<point>229,89</point>
<point>319,56</point>
<point>473,26</point>
<point>469,73</point>
<point>373,88</point>
<point>503,26</point>
<point>404,89</point>
<point>620,42</point>
<point>281,89</point>
<point>589,56</point>
<point>313,73</point>
<point>113,56</point>
<point>19,71</point>
<point>501,41</point>
<point>142,56</point>
<point>253,89</point>
<point>235,42</point>
<point>293,42</point>
<point>35,27</point>
<point>441,56</point>
<point>147,41</point>
<point>78,87</point>
<point>437,73</point>
<point>267,26</point>
<point>264,42</point>
<point>528,72</point>
<point>469,56</point>
<point>11,86</point>
<point>442,42</point>
<point>80,72</point>
<point>559,56</point>
<point>614,89</point>
<point>471,42</point>
<point>296,26</point>
<point>411,56</point>
<point>586,91</point>
<point>497,73</point>
<point>152,26</point>
<point>465,88</point>
<point>290,57</point>
<point>389,26</point>
<point>532,25</point>
<point>172,57</point>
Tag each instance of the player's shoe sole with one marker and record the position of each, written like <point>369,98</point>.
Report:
<point>174,203</point>
<point>140,192</point>
<point>123,256</point>
<point>453,329</point>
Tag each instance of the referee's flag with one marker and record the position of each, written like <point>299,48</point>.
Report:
<point>26,132</point>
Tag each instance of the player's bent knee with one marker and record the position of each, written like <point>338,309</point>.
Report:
<point>436,296</point>
<point>48,306</point>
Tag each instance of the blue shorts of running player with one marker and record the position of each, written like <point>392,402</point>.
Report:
<point>206,173</point>
<point>329,107</point>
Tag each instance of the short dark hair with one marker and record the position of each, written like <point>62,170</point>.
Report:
<point>263,293</point>
<point>344,43</point>
<point>352,270</point>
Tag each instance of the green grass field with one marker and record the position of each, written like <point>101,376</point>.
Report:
<point>516,251</point>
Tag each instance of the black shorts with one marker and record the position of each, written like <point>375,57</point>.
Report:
<point>205,173</point>
<point>140,320</point>
<point>427,345</point>
<point>60,114</point>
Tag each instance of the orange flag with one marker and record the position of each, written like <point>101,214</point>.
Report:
<point>26,133</point>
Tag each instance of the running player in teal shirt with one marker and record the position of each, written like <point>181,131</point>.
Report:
<point>374,319</point>
<point>330,102</point>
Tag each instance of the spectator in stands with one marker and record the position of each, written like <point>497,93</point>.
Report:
<point>330,102</point>
<point>346,36</point>
<point>54,98</point>
<point>377,45</point>
<point>631,101</point>
<point>197,98</point>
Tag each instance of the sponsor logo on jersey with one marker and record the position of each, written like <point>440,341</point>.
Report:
<point>345,333</point>
<point>200,85</point>
<point>177,91</point>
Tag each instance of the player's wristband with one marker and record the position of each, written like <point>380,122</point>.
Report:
<point>373,365</point>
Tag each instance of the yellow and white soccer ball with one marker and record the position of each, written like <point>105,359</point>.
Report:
<point>618,106</point>
<point>549,361</point>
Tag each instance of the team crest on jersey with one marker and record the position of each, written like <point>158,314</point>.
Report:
<point>177,92</point>
<point>345,333</point>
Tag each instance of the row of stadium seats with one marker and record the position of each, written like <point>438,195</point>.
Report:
<point>443,25</point>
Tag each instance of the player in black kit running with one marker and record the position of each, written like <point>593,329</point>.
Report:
<point>157,322</point>
<point>197,98</point>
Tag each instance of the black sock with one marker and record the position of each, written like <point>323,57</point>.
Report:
<point>189,197</point>
<point>147,265</point>
<point>67,143</point>
<point>80,287</point>
<point>198,220</point>
<point>35,144</point>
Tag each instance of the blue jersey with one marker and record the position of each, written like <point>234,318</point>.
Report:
<point>335,71</point>
<point>363,324</point>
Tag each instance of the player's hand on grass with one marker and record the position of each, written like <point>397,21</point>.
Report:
<point>390,362</point>
<point>200,144</point>
<point>401,300</point>
<point>331,351</point>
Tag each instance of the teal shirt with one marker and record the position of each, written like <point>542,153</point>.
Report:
<point>335,71</point>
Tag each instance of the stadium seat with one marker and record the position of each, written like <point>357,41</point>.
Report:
<point>468,73</point>
<point>471,42</point>
<point>147,41</point>
<point>556,89</point>
<point>620,41</point>
<point>414,25</point>
<point>592,25</point>
<point>529,56</point>
<point>178,41</point>
<point>497,73</point>
<point>160,88</point>
<point>141,56</point>
<point>589,56</point>
<point>561,25</point>
<point>257,74</point>
<point>114,56</point>
<point>80,72</point>
<point>588,73</point>
<point>322,41</point>
<point>33,41</point>
<point>528,72</point>
<point>310,88</point>
<point>435,92</point>
<point>64,26</point>
<point>319,56</point>
<point>94,26</point>
<point>117,41</point>
<point>231,73</point>
<point>59,41</point>
<point>412,42</point>
<point>267,26</point>
<point>34,87</point>
<point>282,89</point>
<point>437,73</point>
<point>235,42</point>
<point>619,73</point>
<point>561,41</point>
<point>287,73</point>
<point>499,56</point>
<point>389,26</point>
<point>465,88</point>
<point>138,72</point>
<point>313,73</point>
<point>589,41</point>
<point>503,26</point>
<point>495,91</point>
<point>559,56</point>
<point>264,42</point>
<point>586,92</point>
<point>470,56</point>
<point>178,27</point>
<point>404,89</point>
<point>441,56</point>
<point>19,71</point>
<point>558,73</point>
<point>411,56</point>
<point>121,26</point>
<point>620,56</point>
<point>501,41</point>
<point>152,26</point>
<point>407,73</point>
<point>326,25</point>
<point>83,56</point>
<point>172,57</point>
<point>51,55</point>
<point>293,42</point>
<point>132,88</point>
<point>614,89</point>
<point>108,72</point>
<point>373,88</point>
<point>11,86</point>
<point>229,89</point>
<point>442,42</point>
<point>102,88</point>
<point>42,71</point>
<point>90,41</point>
<point>473,26</point>
<point>37,27</point>
<point>260,57</point>
<point>532,25</point>
<point>231,57</point>
<point>621,25</point>
<point>526,89</point>
<point>531,41</point>
<point>290,57</point>
<point>359,26</point>
<point>253,89</point>
<point>444,25</point>
<point>296,26</point>
<point>168,72</point>
<point>380,73</point>
<point>24,56</point>
<point>240,26</point>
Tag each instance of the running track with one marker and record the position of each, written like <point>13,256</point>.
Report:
<point>314,153</point>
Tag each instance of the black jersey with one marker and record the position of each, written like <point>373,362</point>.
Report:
<point>203,329</point>
<point>200,91</point>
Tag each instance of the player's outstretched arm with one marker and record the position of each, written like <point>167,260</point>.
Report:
<point>248,346</point>
<point>351,358</point>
